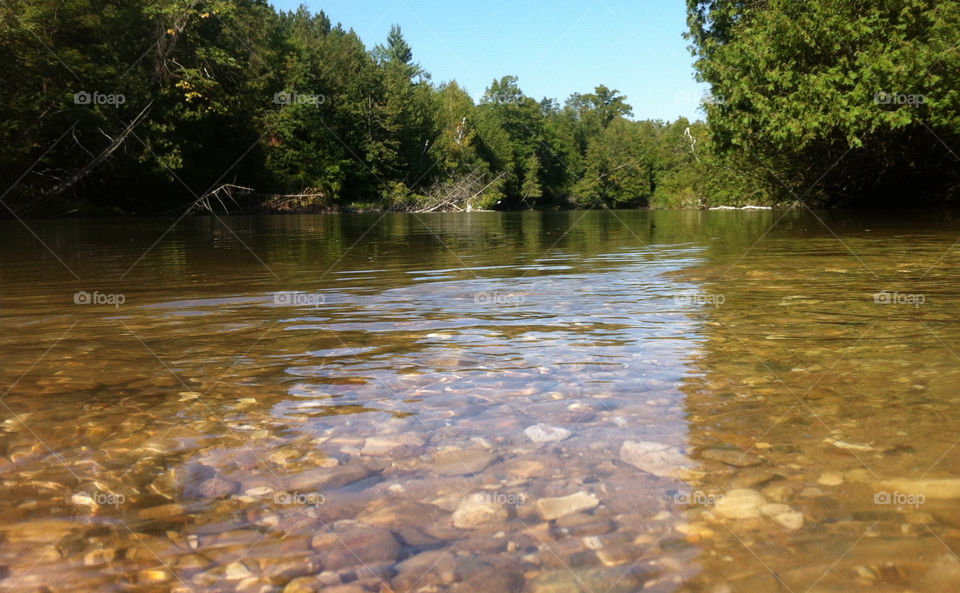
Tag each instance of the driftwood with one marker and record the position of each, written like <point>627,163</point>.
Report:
<point>246,199</point>
<point>458,198</point>
<point>293,202</point>
<point>115,143</point>
<point>221,193</point>
<point>455,196</point>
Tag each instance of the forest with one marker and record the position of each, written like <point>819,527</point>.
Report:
<point>156,106</point>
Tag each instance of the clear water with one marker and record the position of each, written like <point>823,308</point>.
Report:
<point>305,402</point>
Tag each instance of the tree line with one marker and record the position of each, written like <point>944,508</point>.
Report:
<point>835,102</point>
<point>152,106</point>
<point>148,106</point>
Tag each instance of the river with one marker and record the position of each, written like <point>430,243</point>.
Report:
<point>555,402</point>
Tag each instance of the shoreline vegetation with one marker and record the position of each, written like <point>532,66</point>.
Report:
<point>154,107</point>
<point>229,199</point>
<point>254,203</point>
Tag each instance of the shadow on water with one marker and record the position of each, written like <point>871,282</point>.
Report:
<point>825,400</point>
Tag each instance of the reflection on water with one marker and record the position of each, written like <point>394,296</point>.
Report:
<point>544,402</point>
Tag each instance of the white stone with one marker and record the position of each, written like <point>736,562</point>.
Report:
<point>541,433</point>
<point>386,444</point>
<point>783,515</point>
<point>697,530</point>
<point>830,479</point>
<point>740,503</point>
<point>658,459</point>
<point>237,571</point>
<point>561,506</point>
<point>478,509</point>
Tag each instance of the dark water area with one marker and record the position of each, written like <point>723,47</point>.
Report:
<point>675,401</point>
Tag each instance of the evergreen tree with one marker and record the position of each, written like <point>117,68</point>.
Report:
<point>835,101</point>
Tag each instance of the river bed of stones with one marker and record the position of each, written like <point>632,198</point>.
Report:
<point>562,494</point>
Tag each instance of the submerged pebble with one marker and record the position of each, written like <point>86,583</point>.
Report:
<point>479,509</point>
<point>656,458</point>
<point>554,508</point>
<point>830,479</point>
<point>783,515</point>
<point>740,503</point>
<point>732,457</point>
<point>455,461</point>
<point>541,433</point>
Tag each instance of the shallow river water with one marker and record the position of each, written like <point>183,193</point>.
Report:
<point>573,402</point>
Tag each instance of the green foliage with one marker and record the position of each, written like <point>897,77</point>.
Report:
<point>233,91</point>
<point>835,101</point>
<point>619,167</point>
<point>531,189</point>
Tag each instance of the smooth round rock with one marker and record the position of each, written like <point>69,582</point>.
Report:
<point>479,509</point>
<point>741,503</point>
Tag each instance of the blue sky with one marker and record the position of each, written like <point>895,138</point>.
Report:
<point>555,48</point>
